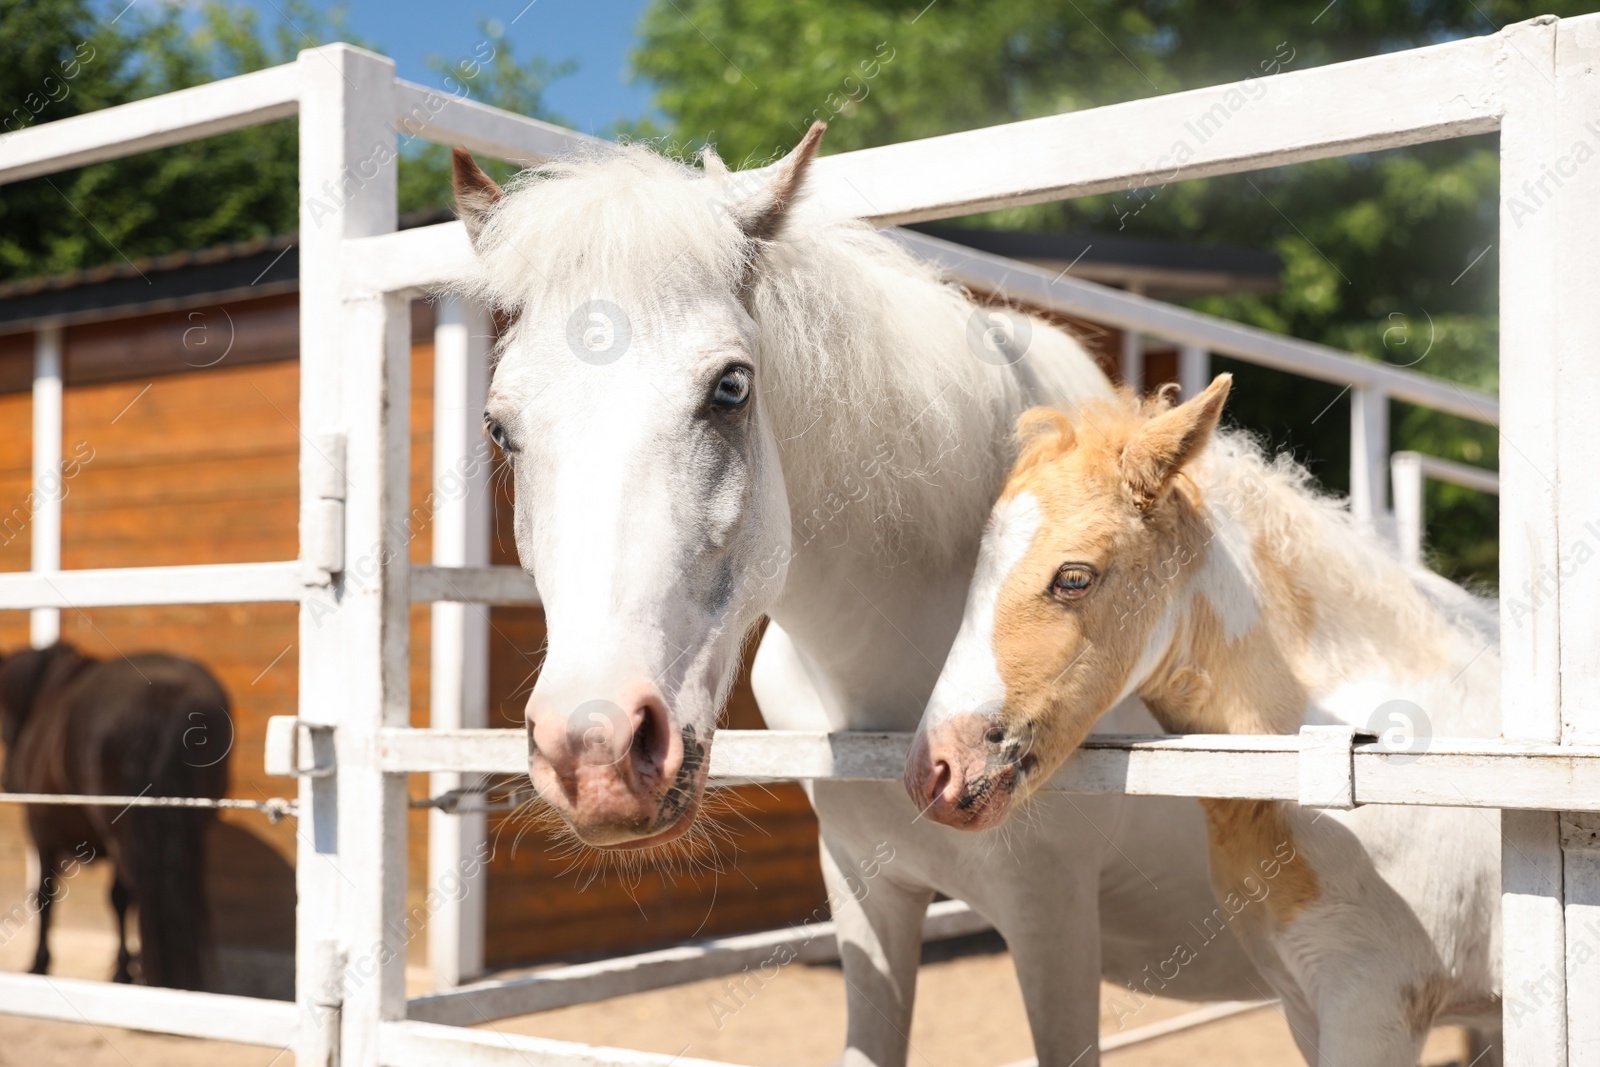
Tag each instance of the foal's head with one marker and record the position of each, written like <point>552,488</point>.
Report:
<point>634,412</point>
<point>1086,548</point>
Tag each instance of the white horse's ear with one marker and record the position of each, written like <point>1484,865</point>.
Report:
<point>716,170</point>
<point>761,213</point>
<point>476,192</point>
<point>1164,445</point>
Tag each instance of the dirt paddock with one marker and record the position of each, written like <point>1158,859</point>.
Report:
<point>969,1014</point>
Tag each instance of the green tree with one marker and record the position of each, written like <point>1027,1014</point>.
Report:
<point>232,187</point>
<point>1380,250</point>
<point>60,58</point>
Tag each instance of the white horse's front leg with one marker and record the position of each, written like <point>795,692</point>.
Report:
<point>879,926</point>
<point>1054,936</point>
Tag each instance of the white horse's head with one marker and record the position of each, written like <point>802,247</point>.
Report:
<point>650,503</point>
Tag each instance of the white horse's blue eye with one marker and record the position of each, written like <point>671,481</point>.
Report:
<point>497,434</point>
<point>733,388</point>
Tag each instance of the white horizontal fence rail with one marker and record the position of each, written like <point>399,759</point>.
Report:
<point>583,983</point>
<point>117,587</point>
<point>1128,311</point>
<point>1407,471</point>
<point>1405,98</point>
<point>157,122</point>
<point>212,1016</point>
<point>1535,82</point>
<point>1437,771</point>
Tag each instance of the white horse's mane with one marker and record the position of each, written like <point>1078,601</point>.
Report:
<point>891,428</point>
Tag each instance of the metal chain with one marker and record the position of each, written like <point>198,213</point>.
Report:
<point>274,808</point>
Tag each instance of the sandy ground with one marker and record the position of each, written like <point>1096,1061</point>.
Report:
<point>969,1014</point>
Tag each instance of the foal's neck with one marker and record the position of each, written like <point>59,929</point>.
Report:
<point>1239,623</point>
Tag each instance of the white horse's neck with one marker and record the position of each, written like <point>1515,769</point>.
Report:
<point>894,424</point>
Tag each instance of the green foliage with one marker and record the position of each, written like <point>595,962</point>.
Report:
<point>1380,251</point>
<point>233,187</point>
<point>492,75</point>
<point>65,57</point>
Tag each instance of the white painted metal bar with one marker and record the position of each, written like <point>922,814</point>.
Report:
<point>416,1044</point>
<point>1194,370</point>
<point>1502,774</point>
<point>49,485</point>
<point>1369,454</point>
<point>1131,360</point>
<point>210,1016</point>
<point>354,352</point>
<point>459,641</point>
<point>1534,939</point>
<point>415,261</point>
<point>1574,360</point>
<point>1114,307</point>
<point>449,119</point>
<point>157,122</point>
<point>376,636</point>
<point>207,583</point>
<point>1425,94</point>
<point>1407,470</point>
<point>695,961</point>
<point>472,585</point>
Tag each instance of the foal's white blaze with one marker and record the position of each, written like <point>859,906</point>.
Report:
<point>971,675</point>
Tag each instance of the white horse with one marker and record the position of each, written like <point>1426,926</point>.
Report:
<point>1125,555</point>
<point>714,410</point>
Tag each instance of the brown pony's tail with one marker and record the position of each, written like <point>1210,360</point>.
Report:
<point>164,849</point>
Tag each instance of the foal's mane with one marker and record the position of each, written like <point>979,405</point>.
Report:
<point>889,426</point>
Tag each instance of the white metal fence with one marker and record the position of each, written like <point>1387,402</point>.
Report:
<point>1534,82</point>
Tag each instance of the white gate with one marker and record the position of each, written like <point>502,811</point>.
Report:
<point>1536,83</point>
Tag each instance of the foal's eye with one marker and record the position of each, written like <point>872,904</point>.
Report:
<point>1072,581</point>
<point>733,388</point>
<point>497,433</point>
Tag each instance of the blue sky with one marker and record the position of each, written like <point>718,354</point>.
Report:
<point>598,34</point>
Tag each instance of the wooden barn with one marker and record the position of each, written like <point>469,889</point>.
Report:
<point>179,445</point>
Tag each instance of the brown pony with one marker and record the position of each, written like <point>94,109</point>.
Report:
<point>149,724</point>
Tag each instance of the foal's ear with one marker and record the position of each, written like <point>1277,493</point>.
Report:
<point>1162,446</point>
<point>476,192</point>
<point>761,214</point>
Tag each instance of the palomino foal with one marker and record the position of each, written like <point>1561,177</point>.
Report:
<point>1144,552</point>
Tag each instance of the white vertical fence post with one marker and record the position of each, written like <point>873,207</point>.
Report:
<point>354,371</point>
<point>1405,476</point>
<point>459,674</point>
<point>1575,360</point>
<point>1369,454</point>
<point>44,624</point>
<point>1194,370</point>
<point>1132,365</point>
<point>1535,1004</point>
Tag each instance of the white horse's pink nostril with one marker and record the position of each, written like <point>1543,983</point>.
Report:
<point>610,767</point>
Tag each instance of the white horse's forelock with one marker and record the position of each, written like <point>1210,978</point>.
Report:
<point>864,355</point>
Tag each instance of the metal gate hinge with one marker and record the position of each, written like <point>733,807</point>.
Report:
<point>322,532</point>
